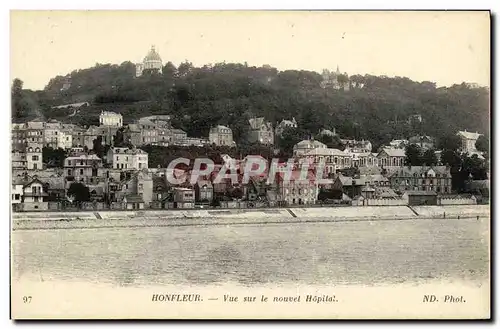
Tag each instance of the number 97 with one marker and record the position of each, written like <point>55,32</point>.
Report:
<point>27,299</point>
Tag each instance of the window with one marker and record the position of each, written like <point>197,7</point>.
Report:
<point>81,171</point>
<point>16,196</point>
<point>69,172</point>
<point>36,199</point>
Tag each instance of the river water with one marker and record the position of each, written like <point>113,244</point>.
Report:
<point>368,253</point>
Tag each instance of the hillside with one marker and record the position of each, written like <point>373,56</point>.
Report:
<point>229,94</point>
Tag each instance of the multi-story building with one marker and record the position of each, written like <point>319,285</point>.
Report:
<point>110,119</point>
<point>389,157</point>
<point>260,132</point>
<point>333,159</point>
<point>179,136</point>
<point>129,159</point>
<point>138,185</point>
<point>18,136</point>
<point>306,146</point>
<point>184,197</point>
<point>365,159</point>
<point>152,61</point>
<point>468,141</point>
<point>421,178</point>
<point>221,136</point>
<point>34,160</point>
<point>83,168</point>
<point>51,134</point>
<point>280,127</point>
<point>78,136</point>
<point>65,139</point>
<point>18,160</point>
<point>35,132</point>
<point>33,196</point>
<point>297,191</point>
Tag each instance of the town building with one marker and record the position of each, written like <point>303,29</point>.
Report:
<point>280,127</point>
<point>468,141</point>
<point>65,139</point>
<point>363,159</point>
<point>51,134</point>
<point>221,136</point>
<point>297,191</point>
<point>204,191</point>
<point>183,197</point>
<point>128,159</point>
<point>110,119</point>
<point>83,168</point>
<point>306,146</point>
<point>335,80</point>
<point>34,159</point>
<point>333,159</point>
<point>18,136</point>
<point>389,157</point>
<point>354,146</point>
<point>424,142</point>
<point>152,62</point>
<point>260,131</point>
<point>420,178</point>
<point>137,187</point>
<point>35,132</point>
<point>33,195</point>
<point>399,143</point>
<point>328,132</point>
<point>421,198</point>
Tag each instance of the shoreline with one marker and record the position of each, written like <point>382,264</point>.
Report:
<point>182,218</point>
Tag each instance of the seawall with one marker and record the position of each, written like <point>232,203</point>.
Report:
<point>145,218</point>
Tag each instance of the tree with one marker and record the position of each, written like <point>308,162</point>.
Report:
<point>413,155</point>
<point>429,158</point>
<point>449,142</point>
<point>119,140</point>
<point>79,192</point>
<point>483,144</point>
<point>169,70</point>
<point>53,158</point>
<point>97,146</point>
<point>331,141</point>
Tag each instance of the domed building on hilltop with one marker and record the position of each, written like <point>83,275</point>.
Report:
<point>152,61</point>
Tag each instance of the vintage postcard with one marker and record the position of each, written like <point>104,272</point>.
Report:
<point>250,165</point>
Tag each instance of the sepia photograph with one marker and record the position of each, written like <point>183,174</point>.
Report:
<point>218,164</point>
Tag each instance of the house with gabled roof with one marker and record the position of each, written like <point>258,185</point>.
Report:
<point>390,157</point>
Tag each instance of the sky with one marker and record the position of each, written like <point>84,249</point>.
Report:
<point>443,47</point>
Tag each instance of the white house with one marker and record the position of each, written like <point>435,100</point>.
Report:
<point>110,119</point>
<point>125,158</point>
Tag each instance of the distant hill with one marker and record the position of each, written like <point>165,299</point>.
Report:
<point>230,94</point>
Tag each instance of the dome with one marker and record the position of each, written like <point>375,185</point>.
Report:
<point>152,55</point>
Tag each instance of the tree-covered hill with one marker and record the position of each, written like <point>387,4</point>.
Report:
<point>230,94</point>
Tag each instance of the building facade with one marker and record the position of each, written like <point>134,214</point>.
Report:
<point>128,159</point>
<point>260,131</point>
<point>83,168</point>
<point>110,119</point>
<point>421,178</point>
<point>468,141</point>
<point>280,127</point>
<point>221,136</point>
<point>152,61</point>
<point>389,157</point>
